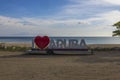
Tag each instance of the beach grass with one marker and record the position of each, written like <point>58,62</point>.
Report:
<point>14,46</point>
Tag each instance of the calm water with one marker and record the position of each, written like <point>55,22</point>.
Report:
<point>89,40</point>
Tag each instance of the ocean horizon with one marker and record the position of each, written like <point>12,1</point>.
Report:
<point>88,40</point>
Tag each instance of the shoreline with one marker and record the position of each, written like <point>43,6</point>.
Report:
<point>28,44</point>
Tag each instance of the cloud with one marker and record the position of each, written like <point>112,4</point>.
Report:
<point>96,2</point>
<point>106,18</point>
<point>115,2</point>
<point>79,18</point>
<point>100,25</point>
<point>33,26</point>
<point>86,8</point>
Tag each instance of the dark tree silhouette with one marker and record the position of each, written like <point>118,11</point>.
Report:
<point>117,31</point>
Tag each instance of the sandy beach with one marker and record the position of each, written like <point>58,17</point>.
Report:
<point>103,65</point>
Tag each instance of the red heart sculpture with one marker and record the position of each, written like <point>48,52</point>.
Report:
<point>42,42</point>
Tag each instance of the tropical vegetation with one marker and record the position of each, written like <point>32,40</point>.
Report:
<point>117,31</point>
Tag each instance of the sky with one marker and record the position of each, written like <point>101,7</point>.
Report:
<point>58,17</point>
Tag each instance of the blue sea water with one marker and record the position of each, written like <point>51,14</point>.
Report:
<point>89,40</point>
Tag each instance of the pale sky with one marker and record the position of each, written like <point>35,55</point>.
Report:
<point>58,17</point>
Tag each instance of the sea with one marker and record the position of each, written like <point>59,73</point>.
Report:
<point>88,40</point>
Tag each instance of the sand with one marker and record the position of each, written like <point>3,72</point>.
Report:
<point>103,65</point>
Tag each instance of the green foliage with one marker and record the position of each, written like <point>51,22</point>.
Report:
<point>14,48</point>
<point>117,25</point>
<point>117,31</point>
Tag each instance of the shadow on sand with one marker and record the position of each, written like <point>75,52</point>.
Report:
<point>41,55</point>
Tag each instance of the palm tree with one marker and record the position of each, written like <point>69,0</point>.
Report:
<point>117,31</point>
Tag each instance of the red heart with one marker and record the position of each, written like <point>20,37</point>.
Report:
<point>42,42</point>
